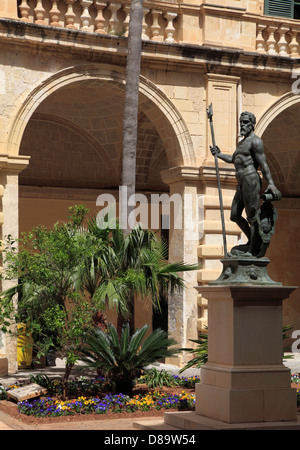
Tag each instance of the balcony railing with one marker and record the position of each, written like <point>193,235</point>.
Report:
<point>278,38</point>
<point>160,22</point>
<point>169,21</point>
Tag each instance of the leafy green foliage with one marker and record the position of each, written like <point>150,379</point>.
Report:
<point>154,378</point>
<point>123,358</point>
<point>200,352</point>
<point>44,381</point>
<point>126,265</point>
<point>47,262</point>
<point>285,334</point>
<point>70,272</point>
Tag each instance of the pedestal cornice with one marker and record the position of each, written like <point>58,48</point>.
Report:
<point>248,293</point>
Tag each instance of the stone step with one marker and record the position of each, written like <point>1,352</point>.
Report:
<point>153,424</point>
<point>190,420</point>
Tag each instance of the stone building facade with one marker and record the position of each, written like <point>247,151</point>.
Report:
<point>62,77</point>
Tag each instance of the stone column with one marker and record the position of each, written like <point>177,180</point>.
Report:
<point>183,242</point>
<point>10,167</point>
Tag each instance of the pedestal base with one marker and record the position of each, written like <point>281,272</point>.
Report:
<point>188,420</point>
<point>244,379</point>
<point>267,398</point>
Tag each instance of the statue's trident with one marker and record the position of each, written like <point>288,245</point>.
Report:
<point>209,111</point>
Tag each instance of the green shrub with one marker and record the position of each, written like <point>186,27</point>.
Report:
<point>123,358</point>
<point>200,352</point>
<point>154,378</point>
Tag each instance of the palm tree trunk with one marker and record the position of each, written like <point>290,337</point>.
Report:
<point>121,320</point>
<point>131,312</point>
<point>130,121</point>
<point>68,369</point>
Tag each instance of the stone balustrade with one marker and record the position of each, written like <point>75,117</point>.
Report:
<point>278,38</point>
<point>163,22</point>
<point>160,21</point>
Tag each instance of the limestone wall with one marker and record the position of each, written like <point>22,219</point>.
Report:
<point>9,9</point>
<point>61,91</point>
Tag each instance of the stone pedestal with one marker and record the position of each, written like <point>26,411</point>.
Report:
<point>244,379</point>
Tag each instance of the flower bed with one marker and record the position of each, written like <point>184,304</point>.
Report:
<point>99,402</point>
<point>49,407</point>
<point>92,396</point>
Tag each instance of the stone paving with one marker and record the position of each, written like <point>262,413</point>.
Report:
<point>8,423</point>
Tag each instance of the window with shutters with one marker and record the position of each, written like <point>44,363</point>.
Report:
<point>283,8</point>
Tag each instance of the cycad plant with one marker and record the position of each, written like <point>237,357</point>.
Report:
<point>122,358</point>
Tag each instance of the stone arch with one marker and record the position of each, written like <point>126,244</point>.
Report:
<point>278,127</point>
<point>80,131</point>
<point>274,167</point>
<point>153,102</point>
<point>294,172</point>
<point>284,102</point>
<point>64,154</point>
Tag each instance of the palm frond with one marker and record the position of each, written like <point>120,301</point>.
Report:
<point>136,340</point>
<point>112,293</point>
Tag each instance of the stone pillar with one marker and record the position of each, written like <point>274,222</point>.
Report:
<point>221,91</point>
<point>9,9</point>
<point>183,242</point>
<point>10,167</point>
<point>210,248</point>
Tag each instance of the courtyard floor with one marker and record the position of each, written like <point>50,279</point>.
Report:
<point>154,423</point>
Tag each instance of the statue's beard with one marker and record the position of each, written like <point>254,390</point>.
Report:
<point>245,130</point>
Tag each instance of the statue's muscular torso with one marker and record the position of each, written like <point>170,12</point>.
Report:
<point>244,158</point>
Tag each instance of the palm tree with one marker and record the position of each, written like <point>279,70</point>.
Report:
<point>130,121</point>
<point>127,265</point>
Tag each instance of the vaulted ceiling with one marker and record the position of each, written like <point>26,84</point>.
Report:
<point>282,148</point>
<point>74,139</point>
